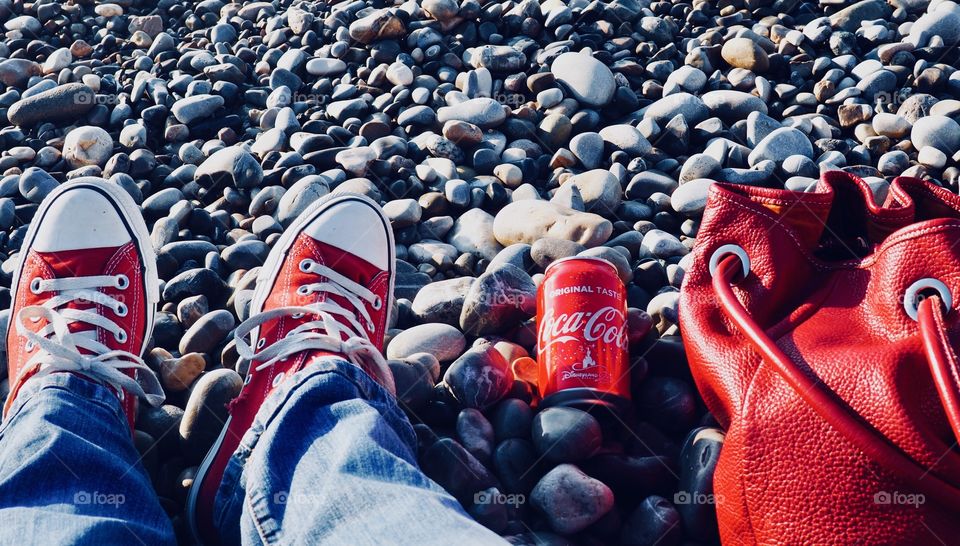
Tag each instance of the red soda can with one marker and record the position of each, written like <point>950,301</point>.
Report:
<point>582,349</point>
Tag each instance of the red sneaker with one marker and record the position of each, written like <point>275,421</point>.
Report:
<point>84,293</point>
<point>325,289</point>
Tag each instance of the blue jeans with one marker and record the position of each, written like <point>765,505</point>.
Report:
<point>330,459</point>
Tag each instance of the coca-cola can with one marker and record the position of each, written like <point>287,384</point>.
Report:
<point>582,350</point>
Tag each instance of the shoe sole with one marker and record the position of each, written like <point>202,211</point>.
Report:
<point>132,217</point>
<point>265,280</point>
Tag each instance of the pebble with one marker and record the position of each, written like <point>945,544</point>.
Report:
<point>781,144</point>
<point>698,461</point>
<point>35,184</point>
<point>177,374</point>
<point>473,233</point>
<point>587,79</point>
<point>566,435</point>
<point>87,145</point>
<point>479,378</point>
<point>654,521</point>
<point>442,301</point>
<point>691,197</point>
<point>498,300</point>
<point>939,132</point>
<point>661,244</point>
<point>690,107</point>
<point>588,148</point>
<point>189,109</point>
<point>745,53</point>
<point>529,220</point>
<point>441,340</point>
<point>483,112</point>
<point>599,189</point>
<point>325,67</point>
<point>475,433</point>
<point>229,166</point>
<point>206,411</point>
<point>208,332</point>
<point>571,500</point>
<point>626,138</point>
<point>64,103</point>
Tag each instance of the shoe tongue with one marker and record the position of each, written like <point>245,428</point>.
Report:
<point>350,266</point>
<point>80,263</point>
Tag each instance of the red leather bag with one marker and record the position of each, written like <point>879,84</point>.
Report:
<point>819,328</point>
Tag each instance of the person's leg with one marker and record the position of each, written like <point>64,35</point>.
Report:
<point>330,459</point>
<point>315,449</point>
<point>83,294</point>
<point>69,472</point>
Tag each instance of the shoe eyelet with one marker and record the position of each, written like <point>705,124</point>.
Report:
<point>303,290</point>
<point>35,285</point>
<point>377,303</point>
<point>305,265</point>
<point>35,318</point>
<point>120,336</point>
<point>261,342</point>
<point>296,316</point>
<point>121,310</point>
<point>122,282</point>
<point>28,346</point>
<point>278,379</point>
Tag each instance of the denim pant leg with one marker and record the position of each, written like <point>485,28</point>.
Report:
<point>330,460</point>
<point>69,473</point>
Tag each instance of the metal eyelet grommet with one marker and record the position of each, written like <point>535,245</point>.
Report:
<point>914,295</point>
<point>121,310</point>
<point>278,379</point>
<point>28,346</point>
<point>122,281</point>
<point>296,316</point>
<point>35,285</point>
<point>377,303</point>
<point>303,290</point>
<point>726,250</point>
<point>261,342</point>
<point>305,265</point>
<point>120,336</point>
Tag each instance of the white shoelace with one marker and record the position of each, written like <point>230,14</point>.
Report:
<point>326,332</point>
<point>59,348</point>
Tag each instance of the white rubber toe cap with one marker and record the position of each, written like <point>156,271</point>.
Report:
<point>81,218</point>
<point>355,227</point>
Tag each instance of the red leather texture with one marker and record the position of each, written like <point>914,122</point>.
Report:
<point>837,432</point>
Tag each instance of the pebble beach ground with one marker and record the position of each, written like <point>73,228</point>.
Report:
<point>499,136</point>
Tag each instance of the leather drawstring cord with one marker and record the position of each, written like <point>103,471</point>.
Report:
<point>943,364</point>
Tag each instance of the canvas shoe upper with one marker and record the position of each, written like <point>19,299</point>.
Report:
<point>84,293</point>
<point>325,289</point>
